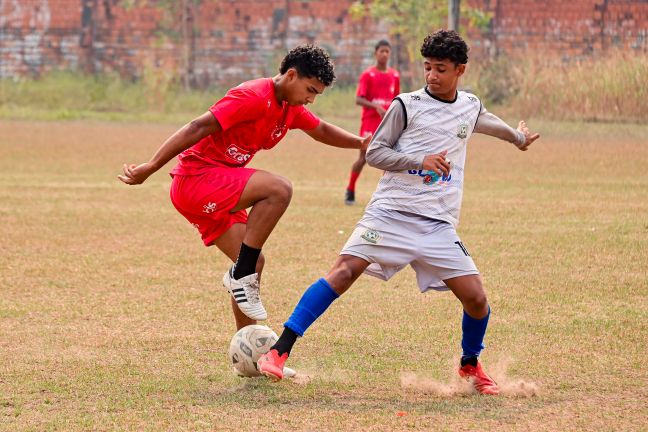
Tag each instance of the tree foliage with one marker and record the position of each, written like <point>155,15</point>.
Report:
<point>412,20</point>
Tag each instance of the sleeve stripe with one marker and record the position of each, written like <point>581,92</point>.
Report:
<point>404,110</point>
<point>478,114</point>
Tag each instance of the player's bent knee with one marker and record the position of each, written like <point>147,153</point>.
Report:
<point>282,189</point>
<point>340,278</point>
<point>345,271</point>
<point>476,302</point>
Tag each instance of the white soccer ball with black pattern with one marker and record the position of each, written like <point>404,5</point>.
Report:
<point>248,344</point>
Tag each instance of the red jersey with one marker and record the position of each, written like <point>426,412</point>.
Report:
<point>380,88</point>
<point>252,120</point>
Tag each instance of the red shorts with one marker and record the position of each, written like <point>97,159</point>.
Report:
<point>206,200</point>
<point>369,126</point>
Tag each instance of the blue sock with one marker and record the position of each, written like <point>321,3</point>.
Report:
<point>317,298</point>
<point>474,330</point>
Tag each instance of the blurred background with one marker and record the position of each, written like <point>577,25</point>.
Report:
<point>148,59</point>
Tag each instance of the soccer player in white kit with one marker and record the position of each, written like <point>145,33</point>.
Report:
<point>412,216</point>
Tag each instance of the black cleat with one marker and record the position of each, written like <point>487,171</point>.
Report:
<point>349,197</point>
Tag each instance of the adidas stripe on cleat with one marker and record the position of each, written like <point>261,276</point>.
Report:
<point>246,294</point>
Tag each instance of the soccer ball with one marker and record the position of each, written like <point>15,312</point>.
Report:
<point>248,344</point>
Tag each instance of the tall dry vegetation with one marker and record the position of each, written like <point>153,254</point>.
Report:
<point>609,88</point>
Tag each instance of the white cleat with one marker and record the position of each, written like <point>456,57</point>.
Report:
<point>245,292</point>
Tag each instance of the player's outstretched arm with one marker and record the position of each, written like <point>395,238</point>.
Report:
<point>180,141</point>
<point>528,136</point>
<point>489,124</point>
<point>335,136</point>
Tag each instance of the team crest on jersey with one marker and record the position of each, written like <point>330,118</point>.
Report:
<point>278,131</point>
<point>371,235</point>
<point>462,130</point>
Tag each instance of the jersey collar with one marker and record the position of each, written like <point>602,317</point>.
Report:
<point>441,100</point>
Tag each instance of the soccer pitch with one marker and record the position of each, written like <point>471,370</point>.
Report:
<point>113,317</point>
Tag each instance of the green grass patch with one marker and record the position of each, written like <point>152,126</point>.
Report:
<point>75,96</point>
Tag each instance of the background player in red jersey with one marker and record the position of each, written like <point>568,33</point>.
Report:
<point>377,87</point>
<point>212,188</point>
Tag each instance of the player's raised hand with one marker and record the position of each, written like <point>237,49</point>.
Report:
<point>529,137</point>
<point>437,163</point>
<point>136,174</point>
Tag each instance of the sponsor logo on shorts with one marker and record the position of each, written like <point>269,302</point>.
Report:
<point>430,177</point>
<point>210,207</point>
<point>237,154</point>
<point>371,235</point>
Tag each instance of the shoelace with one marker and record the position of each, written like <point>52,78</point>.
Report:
<point>252,292</point>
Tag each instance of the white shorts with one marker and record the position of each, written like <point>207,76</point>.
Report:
<point>390,240</point>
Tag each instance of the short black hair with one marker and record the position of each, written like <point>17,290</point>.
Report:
<point>445,45</point>
<point>382,43</point>
<point>310,61</point>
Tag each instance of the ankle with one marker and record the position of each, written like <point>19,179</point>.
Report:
<point>469,360</point>
<point>286,341</point>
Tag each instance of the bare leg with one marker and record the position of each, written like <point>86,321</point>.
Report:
<point>346,270</point>
<point>269,196</point>
<point>230,244</point>
<point>470,292</point>
<point>313,303</point>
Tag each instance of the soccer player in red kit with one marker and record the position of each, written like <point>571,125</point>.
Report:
<point>211,185</point>
<point>377,87</point>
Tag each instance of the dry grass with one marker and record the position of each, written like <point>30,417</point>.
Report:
<point>112,317</point>
<point>604,89</point>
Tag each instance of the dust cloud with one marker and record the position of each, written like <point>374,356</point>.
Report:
<point>457,386</point>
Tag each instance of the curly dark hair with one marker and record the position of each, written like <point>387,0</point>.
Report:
<point>445,45</point>
<point>310,61</point>
<point>382,43</point>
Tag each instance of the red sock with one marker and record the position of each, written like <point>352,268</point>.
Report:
<point>353,180</point>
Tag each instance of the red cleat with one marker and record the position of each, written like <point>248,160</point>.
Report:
<point>480,379</point>
<point>271,364</point>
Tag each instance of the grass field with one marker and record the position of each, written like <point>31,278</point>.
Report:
<point>112,316</point>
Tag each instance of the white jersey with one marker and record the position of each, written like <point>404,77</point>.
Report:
<point>424,125</point>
